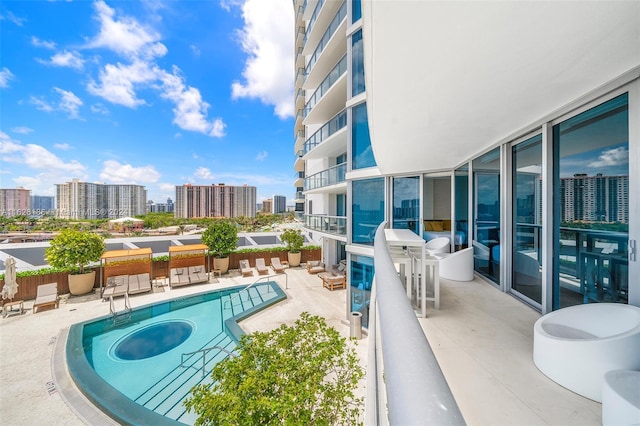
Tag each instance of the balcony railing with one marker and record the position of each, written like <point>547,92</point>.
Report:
<point>334,75</point>
<point>339,121</point>
<point>330,176</point>
<point>313,19</point>
<point>328,224</point>
<point>404,382</point>
<point>333,26</point>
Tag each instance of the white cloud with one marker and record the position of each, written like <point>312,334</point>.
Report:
<point>5,77</point>
<point>69,102</point>
<point>203,173</point>
<point>125,35</point>
<point>23,130</point>
<point>612,157</point>
<point>266,38</point>
<point>65,59</point>
<point>117,173</point>
<point>99,109</point>
<point>117,83</point>
<point>168,188</point>
<point>262,155</point>
<point>194,49</point>
<point>43,43</point>
<point>41,104</point>
<point>39,167</point>
<point>190,109</point>
<point>62,146</point>
<point>9,16</point>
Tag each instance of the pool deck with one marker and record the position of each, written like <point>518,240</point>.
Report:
<point>482,338</point>
<point>27,391</point>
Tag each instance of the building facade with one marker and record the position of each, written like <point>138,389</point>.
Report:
<point>215,201</point>
<point>43,205</point>
<point>167,207</point>
<point>464,113</point>
<point>279,204</point>
<point>84,200</point>
<point>15,202</point>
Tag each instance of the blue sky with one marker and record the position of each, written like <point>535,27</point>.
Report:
<point>154,93</point>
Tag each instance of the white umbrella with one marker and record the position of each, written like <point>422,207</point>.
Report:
<point>10,284</point>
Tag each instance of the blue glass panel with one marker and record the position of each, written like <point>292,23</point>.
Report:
<point>361,278</point>
<point>462,205</point>
<point>406,203</point>
<point>362,154</point>
<point>591,206</point>
<point>367,209</point>
<point>356,10</point>
<point>357,64</point>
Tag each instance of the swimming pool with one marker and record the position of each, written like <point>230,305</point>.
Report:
<point>138,369</point>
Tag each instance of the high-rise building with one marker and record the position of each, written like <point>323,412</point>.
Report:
<point>15,202</point>
<point>42,205</point>
<point>267,206</point>
<point>160,207</point>
<point>466,115</point>
<point>84,200</point>
<point>279,204</point>
<point>215,201</point>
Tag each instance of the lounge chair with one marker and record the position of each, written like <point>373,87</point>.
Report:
<point>116,286</point>
<point>261,267</point>
<point>46,294</point>
<point>139,283</point>
<point>276,265</point>
<point>315,266</point>
<point>332,282</point>
<point>245,268</point>
<point>198,274</point>
<point>178,277</point>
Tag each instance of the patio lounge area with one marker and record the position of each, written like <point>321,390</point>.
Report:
<point>483,340</point>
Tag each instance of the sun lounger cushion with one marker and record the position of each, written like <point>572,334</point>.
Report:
<point>46,294</point>
<point>261,267</point>
<point>116,286</point>
<point>139,283</point>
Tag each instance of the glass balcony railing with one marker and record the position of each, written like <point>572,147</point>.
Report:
<point>333,26</point>
<point>339,121</point>
<point>330,176</point>
<point>313,19</point>
<point>329,224</point>
<point>334,75</point>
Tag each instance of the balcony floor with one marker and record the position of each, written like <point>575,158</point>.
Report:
<point>483,340</point>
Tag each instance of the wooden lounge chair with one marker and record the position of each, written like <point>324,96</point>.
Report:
<point>46,294</point>
<point>261,267</point>
<point>332,282</point>
<point>315,266</point>
<point>245,268</point>
<point>276,265</point>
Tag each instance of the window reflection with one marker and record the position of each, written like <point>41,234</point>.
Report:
<point>591,205</point>
<point>362,154</point>
<point>406,203</point>
<point>362,271</point>
<point>367,209</point>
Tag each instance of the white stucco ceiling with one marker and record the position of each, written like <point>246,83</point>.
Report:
<point>448,79</point>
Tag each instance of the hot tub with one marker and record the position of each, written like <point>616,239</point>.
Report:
<point>576,346</point>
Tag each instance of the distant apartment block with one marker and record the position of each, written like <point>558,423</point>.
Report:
<point>84,200</point>
<point>279,204</point>
<point>596,198</point>
<point>215,201</point>
<point>167,207</point>
<point>15,202</point>
<point>43,204</point>
<point>267,206</point>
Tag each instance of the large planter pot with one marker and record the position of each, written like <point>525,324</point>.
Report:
<point>221,263</point>
<point>294,258</point>
<point>82,283</point>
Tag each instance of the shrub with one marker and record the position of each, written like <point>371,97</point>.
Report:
<point>293,239</point>
<point>221,237</point>
<point>74,249</point>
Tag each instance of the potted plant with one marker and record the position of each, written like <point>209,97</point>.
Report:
<point>73,249</point>
<point>293,239</point>
<point>222,238</point>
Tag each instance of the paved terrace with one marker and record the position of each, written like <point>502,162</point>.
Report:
<point>483,340</point>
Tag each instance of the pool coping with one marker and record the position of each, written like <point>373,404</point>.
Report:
<point>77,381</point>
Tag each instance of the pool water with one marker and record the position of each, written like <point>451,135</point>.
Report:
<point>147,366</point>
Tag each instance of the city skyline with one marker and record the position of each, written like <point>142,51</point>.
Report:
<point>157,94</point>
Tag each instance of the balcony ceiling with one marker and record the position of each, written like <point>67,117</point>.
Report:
<point>330,104</point>
<point>446,80</point>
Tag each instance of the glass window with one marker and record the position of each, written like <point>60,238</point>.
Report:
<point>362,271</point>
<point>357,64</point>
<point>362,154</point>
<point>486,173</point>
<point>591,205</point>
<point>356,10</point>
<point>406,203</point>
<point>462,206</point>
<point>367,209</point>
<point>527,219</point>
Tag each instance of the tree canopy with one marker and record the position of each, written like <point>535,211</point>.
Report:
<point>304,374</point>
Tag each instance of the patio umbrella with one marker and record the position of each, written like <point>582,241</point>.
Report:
<point>10,284</point>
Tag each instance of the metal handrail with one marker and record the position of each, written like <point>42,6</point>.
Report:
<point>254,283</point>
<point>112,305</point>
<point>412,381</point>
<point>204,356</point>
